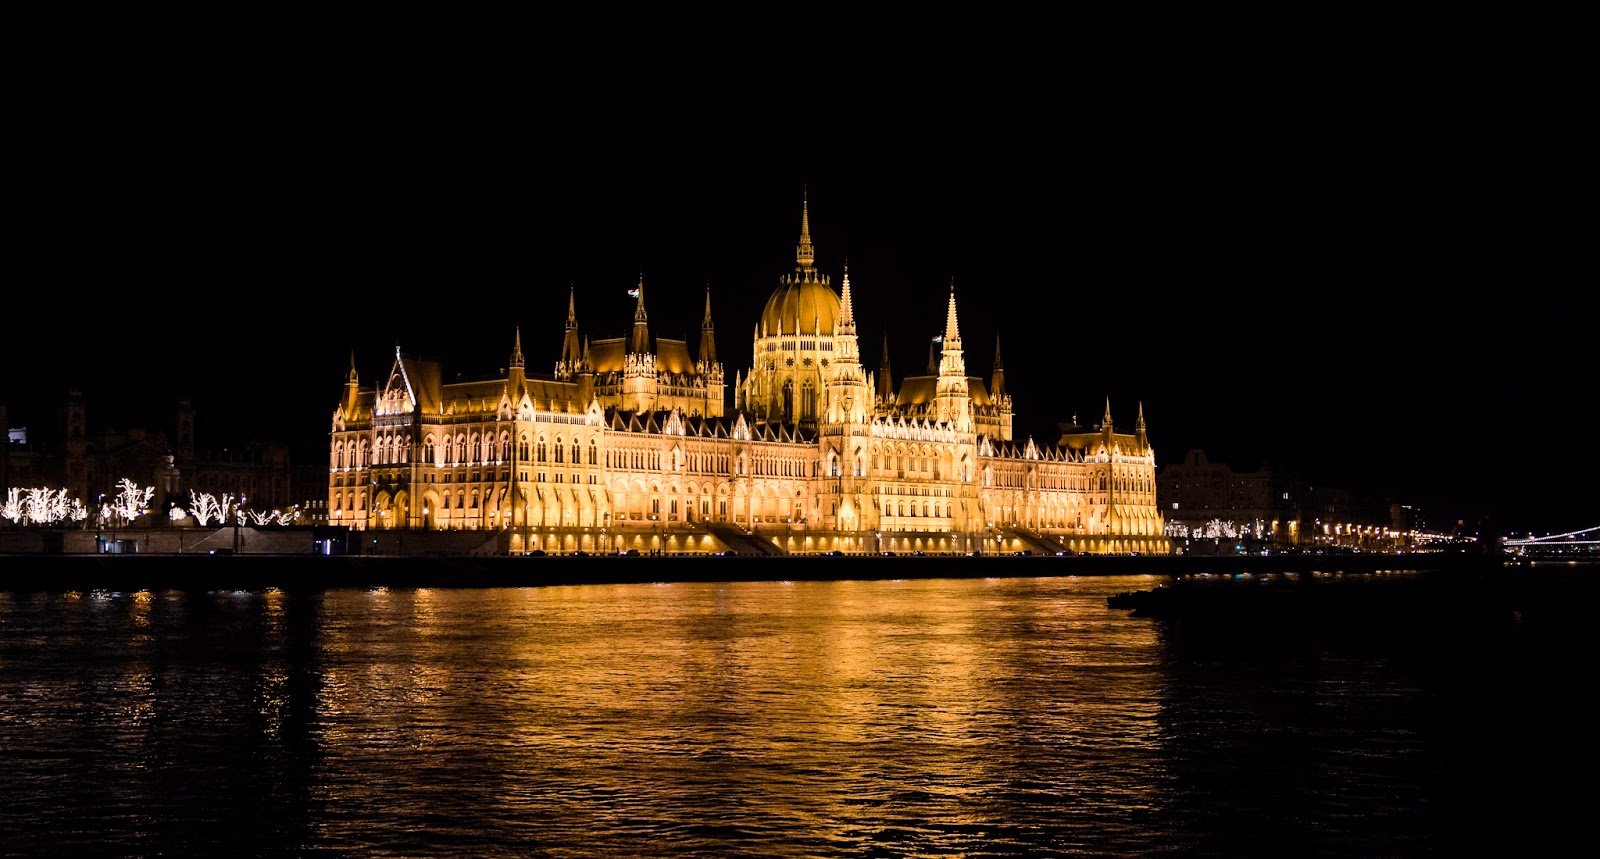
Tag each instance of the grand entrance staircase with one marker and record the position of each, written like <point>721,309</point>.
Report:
<point>1039,544</point>
<point>741,543</point>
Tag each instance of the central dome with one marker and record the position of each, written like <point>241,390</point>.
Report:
<point>803,303</point>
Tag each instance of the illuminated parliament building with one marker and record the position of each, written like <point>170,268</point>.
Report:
<point>631,444</point>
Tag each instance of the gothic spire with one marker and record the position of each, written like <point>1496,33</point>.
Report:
<point>997,381</point>
<point>849,312</point>
<point>708,340</point>
<point>885,378</point>
<point>570,356</point>
<point>353,379</point>
<point>1106,422</point>
<point>516,348</point>
<point>640,344</point>
<point>952,336</point>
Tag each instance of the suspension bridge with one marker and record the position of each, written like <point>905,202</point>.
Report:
<point>1584,543</point>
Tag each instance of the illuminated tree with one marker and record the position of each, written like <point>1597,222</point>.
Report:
<point>130,502</point>
<point>36,506</point>
<point>12,510</point>
<point>276,517</point>
<point>205,507</point>
<point>177,514</point>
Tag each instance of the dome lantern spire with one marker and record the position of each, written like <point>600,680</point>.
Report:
<point>804,254</point>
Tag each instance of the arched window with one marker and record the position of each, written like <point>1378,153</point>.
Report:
<point>561,452</point>
<point>539,452</point>
<point>594,450</point>
<point>808,400</point>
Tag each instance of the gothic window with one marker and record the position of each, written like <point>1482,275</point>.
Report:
<point>540,453</point>
<point>560,451</point>
<point>594,447</point>
<point>808,408</point>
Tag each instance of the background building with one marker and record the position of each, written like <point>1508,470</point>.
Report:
<point>1212,507</point>
<point>90,458</point>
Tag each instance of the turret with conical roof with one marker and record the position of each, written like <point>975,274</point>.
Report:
<point>849,395</point>
<point>352,388</point>
<point>516,374</point>
<point>706,364</point>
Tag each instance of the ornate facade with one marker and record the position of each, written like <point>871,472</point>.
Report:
<point>627,444</point>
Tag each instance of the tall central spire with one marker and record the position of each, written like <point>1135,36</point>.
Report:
<point>804,254</point>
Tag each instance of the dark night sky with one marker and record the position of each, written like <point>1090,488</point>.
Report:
<point>1353,244</point>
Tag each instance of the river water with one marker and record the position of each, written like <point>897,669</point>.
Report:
<point>944,717</point>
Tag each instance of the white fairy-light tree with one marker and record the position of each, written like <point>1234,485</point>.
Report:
<point>276,517</point>
<point>177,514</point>
<point>205,507</point>
<point>41,506</point>
<point>131,499</point>
<point>49,506</point>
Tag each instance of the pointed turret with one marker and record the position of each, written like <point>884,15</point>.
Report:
<point>352,388</point>
<point>997,381</point>
<point>849,391</point>
<point>847,322</point>
<point>1138,428</point>
<point>952,334</point>
<point>640,342</point>
<point>516,377</point>
<point>1106,421</point>
<point>953,399</point>
<point>571,356</point>
<point>708,335</point>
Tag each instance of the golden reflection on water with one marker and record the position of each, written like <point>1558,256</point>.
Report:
<point>821,704</point>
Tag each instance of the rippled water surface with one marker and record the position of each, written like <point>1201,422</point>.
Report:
<point>970,717</point>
